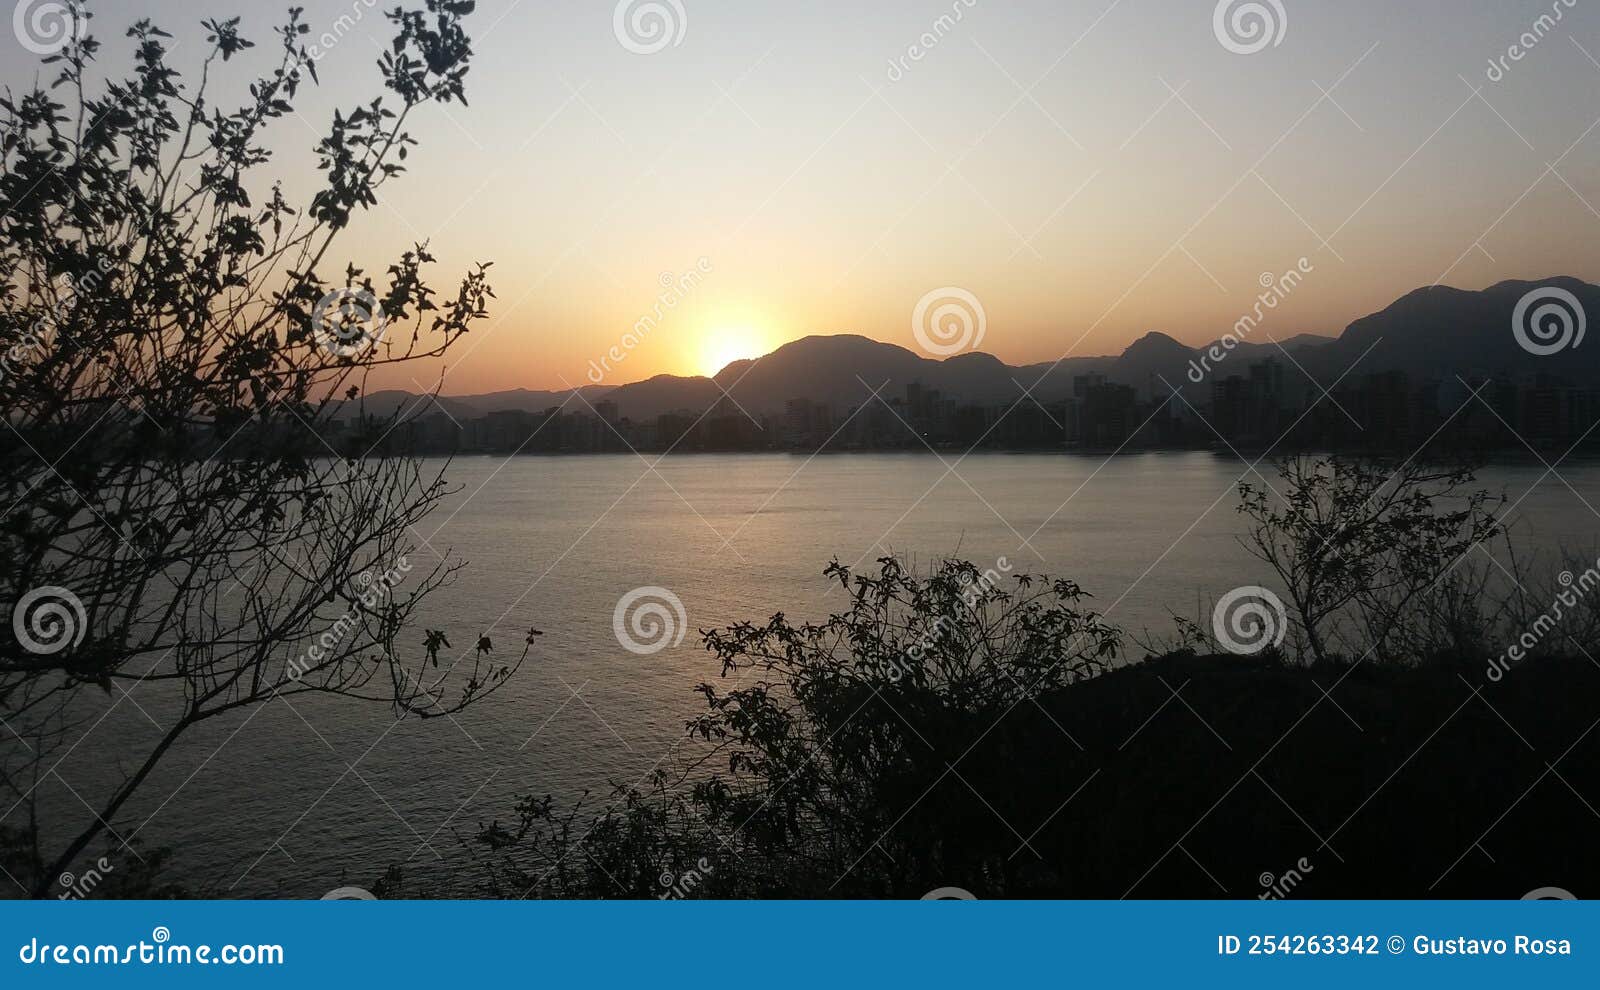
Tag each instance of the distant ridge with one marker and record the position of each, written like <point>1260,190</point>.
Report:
<point>1432,332</point>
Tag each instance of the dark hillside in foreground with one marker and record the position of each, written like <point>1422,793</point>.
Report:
<point>1434,795</point>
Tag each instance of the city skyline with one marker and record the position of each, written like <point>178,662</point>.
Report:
<point>1260,406</point>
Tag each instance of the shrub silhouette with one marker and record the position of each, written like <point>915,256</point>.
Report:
<point>983,731</point>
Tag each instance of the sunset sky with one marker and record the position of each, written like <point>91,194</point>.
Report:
<point>1088,171</point>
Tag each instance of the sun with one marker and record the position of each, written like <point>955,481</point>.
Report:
<point>725,345</point>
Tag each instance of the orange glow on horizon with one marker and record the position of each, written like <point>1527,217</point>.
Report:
<point>724,345</point>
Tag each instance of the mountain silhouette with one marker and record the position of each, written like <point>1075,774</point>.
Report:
<point>1440,332</point>
<point>386,403</point>
<point>1432,333</point>
<point>663,394</point>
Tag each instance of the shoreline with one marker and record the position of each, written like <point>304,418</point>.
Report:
<point>1489,457</point>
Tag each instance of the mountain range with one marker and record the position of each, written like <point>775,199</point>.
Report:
<point>1433,332</point>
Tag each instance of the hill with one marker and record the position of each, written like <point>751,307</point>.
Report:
<point>1435,332</point>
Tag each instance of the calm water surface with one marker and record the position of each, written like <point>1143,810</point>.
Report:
<point>296,801</point>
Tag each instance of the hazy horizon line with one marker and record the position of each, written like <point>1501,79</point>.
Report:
<point>1200,346</point>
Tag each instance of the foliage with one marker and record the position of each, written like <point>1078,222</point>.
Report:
<point>176,352</point>
<point>828,757</point>
<point>1362,545</point>
<point>888,749</point>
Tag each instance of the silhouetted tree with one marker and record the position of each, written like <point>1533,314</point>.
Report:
<point>1365,541</point>
<point>179,509</point>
